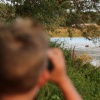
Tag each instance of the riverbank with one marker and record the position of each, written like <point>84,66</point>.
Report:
<point>63,32</point>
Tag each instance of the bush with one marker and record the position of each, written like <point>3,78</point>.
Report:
<point>85,77</point>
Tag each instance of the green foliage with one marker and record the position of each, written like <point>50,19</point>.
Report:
<point>49,12</point>
<point>49,92</point>
<point>85,77</point>
<point>55,13</point>
<point>92,32</point>
<point>7,12</point>
<point>98,22</point>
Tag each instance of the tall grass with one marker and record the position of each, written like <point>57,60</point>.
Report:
<point>85,77</point>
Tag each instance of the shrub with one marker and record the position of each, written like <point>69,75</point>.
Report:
<point>85,77</point>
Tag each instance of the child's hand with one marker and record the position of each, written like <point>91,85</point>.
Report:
<point>59,71</point>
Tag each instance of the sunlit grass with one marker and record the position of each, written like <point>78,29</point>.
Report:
<point>63,32</point>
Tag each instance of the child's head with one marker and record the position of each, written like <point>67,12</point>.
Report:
<point>23,47</point>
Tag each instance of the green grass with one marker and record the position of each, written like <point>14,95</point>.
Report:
<point>85,77</point>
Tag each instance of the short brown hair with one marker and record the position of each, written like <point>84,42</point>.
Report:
<point>23,46</point>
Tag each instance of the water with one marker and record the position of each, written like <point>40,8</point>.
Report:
<point>80,43</point>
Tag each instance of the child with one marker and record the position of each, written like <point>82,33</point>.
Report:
<point>23,62</point>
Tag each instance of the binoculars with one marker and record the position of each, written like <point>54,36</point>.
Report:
<point>50,65</point>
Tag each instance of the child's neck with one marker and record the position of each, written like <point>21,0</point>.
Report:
<point>27,96</point>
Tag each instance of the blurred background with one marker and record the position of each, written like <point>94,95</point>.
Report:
<point>73,26</point>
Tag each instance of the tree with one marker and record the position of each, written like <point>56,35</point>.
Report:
<point>7,12</point>
<point>57,13</point>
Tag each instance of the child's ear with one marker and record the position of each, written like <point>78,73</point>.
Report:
<point>43,79</point>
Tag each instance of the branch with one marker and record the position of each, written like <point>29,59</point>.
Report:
<point>2,10</point>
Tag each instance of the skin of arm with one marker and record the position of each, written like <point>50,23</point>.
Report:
<point>59,76</point>
<point>69,90</point>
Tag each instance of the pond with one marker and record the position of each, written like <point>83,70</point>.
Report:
<point>82,46</point>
